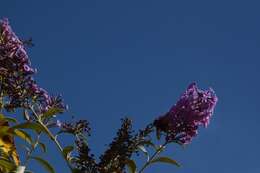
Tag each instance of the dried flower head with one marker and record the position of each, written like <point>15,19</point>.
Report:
<point>120,150</point>
<point>76,128</point>
<point>84,162</point>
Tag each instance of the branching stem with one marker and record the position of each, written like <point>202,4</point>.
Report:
<point>52,137</point>
<point>158,151</point>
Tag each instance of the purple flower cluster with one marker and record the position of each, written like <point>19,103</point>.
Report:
<point>17,86</point>
<point>194,108</point>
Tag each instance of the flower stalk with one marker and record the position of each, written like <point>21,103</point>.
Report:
<point>51,136</point>
<point>56,142</point>
<point>156,153</point>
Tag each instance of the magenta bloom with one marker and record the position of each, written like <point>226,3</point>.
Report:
<point>194,108</point>
<point>16,74</point>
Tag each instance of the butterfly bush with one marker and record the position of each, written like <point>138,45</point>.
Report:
<point>19,90</point>
<point>16,75</point>
<point>194,108</point>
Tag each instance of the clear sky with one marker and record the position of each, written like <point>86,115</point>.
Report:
<point>114,58</point>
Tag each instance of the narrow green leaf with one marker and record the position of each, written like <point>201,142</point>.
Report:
<point>45,164</point>
<point>9,119</point>
<point>30,125</point>
<point>131,166</point>
<point>5,130</point>
<point>26,115</point>
<point>23,135</point>
<point>143,149</point>
<point>43,147</point>
<point>165,160</point>
<point>51,112</point>
<point>6,165</point>
<point>67,150</point>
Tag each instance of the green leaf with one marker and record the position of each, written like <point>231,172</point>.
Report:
<point>9,119</point>
<point>51,112</point>
<point>5,130</point>
<point>23,135</point>
<point>67,150</point>
<point>165,160</point>
<point>143,149</point>
<point>131,166</point>
<point>44,163</point>
<point>30,125</point>
<point>26,115</point>
<point>43,147</point>
<point>6,165</point>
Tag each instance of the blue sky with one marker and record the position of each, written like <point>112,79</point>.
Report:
<point>110,59</point>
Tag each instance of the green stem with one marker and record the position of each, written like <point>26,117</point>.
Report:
<point>56,142</point>
<point>31,150</point>
<point>52,137</point>
<point>158,151</point>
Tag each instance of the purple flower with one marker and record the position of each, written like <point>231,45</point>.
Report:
<point>194,108</point>
<point>55,103</point>
<point>59,124</point>
<point>17,84</point>
<point>12,51</point>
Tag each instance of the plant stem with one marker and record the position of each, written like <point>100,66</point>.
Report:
<point>56,142</point>
<point>52,137</point>
<point>31,150</point>
<point>153,156</point>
